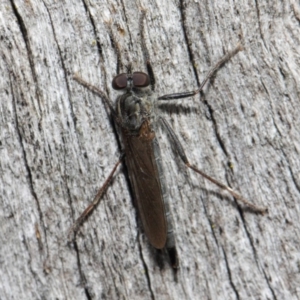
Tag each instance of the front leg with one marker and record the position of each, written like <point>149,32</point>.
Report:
<point>218,65</point>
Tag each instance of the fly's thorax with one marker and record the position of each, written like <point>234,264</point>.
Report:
<point>135,107</point>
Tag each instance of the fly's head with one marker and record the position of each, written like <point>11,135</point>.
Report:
<point>136,104</point>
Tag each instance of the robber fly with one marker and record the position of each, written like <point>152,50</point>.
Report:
<point>137,121</point>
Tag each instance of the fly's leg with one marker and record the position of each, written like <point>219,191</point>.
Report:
<point>146,52</point>
<point>73,230</point>
<point>107,102</point>
<point>218,65</point>
<point>116,46</point>
<point>183,156</point>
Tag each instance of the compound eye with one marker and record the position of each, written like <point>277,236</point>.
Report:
<point>140,79</point>
<point>120,82</point>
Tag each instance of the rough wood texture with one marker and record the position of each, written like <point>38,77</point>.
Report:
<point>57,147</point>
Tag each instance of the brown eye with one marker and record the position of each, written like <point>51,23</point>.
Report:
<point>120,82</point>
<point>140,79</point>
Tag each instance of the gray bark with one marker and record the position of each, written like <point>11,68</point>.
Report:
<point>58,146</point>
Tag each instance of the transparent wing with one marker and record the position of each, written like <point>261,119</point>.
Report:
<point>144,177</point>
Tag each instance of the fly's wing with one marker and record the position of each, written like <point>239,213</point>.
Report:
<point>144,177</point>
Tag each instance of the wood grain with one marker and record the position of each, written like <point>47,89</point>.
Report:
<point>57,146</point>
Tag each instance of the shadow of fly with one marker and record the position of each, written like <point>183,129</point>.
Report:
<point>136,120</point>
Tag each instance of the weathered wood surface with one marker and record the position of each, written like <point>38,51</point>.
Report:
<point>57,147</point>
